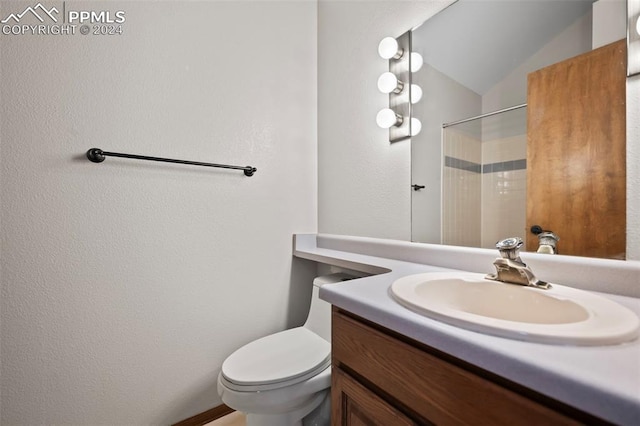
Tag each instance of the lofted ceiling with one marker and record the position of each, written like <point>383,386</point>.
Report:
<point>479,42</point>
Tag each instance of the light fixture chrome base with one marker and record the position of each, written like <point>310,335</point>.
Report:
<point>400,103</point>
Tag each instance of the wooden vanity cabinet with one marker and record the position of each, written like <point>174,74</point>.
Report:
<point>382,378</point>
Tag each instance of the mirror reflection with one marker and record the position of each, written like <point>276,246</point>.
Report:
<point>479,144</point>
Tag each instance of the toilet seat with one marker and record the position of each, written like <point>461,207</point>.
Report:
<point>275,361</point>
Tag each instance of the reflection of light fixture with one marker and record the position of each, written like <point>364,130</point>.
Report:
<point>638,25</point>
<point>389,48</point>
<point>416,126</point>
<point>388,83</point>
<point>416,93</point>
<point>387,118</point>
<point>416,61</point>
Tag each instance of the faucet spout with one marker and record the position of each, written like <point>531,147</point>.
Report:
<point>511,269</point>
<point>548,241</point>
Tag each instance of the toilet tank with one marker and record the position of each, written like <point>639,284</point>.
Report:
<point>319,318</point>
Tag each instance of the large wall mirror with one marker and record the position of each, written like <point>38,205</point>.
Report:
<point>523,125</point>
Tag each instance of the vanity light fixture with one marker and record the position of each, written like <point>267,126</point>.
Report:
<point>396,82</point>
<point>390,49</point>
<point>416,61</point>
<point>388,83</point>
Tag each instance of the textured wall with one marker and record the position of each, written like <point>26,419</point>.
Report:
<point>126,284</point>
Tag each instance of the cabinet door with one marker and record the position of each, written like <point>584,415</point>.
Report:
<point>354,405</point>
<point>576,153</point>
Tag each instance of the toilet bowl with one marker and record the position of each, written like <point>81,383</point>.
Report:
<point>283,379</point>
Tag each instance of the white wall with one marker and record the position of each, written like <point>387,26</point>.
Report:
<point>364,181</point>
<point>609,22</point>
<point>126,284</point>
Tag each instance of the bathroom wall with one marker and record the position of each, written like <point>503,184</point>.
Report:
<point>126,284</point>
<point>609,22</point>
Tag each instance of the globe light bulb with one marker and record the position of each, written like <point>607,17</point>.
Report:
<point>416,126</point>
<point>416,93</point>
<point>416,61</point>
<point>388,83</point>
<point>638,25</point>
<point>388,48</point>
<point>387,118</point>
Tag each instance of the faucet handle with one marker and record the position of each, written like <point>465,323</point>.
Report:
<point>509,248</point>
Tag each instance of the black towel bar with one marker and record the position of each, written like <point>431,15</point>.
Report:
<point>97,155</point>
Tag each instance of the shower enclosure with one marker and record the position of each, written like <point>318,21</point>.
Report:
<point>484,178</point>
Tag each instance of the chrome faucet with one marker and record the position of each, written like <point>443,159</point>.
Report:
<point>548,241</point>
<point>510,268</point>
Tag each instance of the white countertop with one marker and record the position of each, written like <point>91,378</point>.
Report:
<point>601,380</point>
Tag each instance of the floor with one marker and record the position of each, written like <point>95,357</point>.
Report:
<point>234,419</point>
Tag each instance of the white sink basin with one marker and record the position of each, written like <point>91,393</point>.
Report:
<point>559,315</point>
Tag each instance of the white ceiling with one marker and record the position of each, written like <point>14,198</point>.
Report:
<point>478,42</point>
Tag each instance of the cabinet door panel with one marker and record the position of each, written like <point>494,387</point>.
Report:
<point>354,405</point>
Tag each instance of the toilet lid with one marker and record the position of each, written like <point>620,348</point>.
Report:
<point>277,360</point>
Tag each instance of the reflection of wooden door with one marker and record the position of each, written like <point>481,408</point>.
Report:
<point>576,160</point>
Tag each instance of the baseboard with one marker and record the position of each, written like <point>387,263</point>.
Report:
<point>206,416</point>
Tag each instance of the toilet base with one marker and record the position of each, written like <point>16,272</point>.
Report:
<point>321,416</point>
<point>316,410</point>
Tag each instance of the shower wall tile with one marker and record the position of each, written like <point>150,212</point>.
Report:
<point>503,201</point>
<point>507,149</point>
<point>503,206</point>
<point>462,146</point>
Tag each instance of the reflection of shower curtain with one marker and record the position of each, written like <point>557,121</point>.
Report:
<point>484,180</point>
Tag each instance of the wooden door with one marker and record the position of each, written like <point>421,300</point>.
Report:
<point>576,159</point>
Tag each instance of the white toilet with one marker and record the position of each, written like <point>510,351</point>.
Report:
<point>284,379</point>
